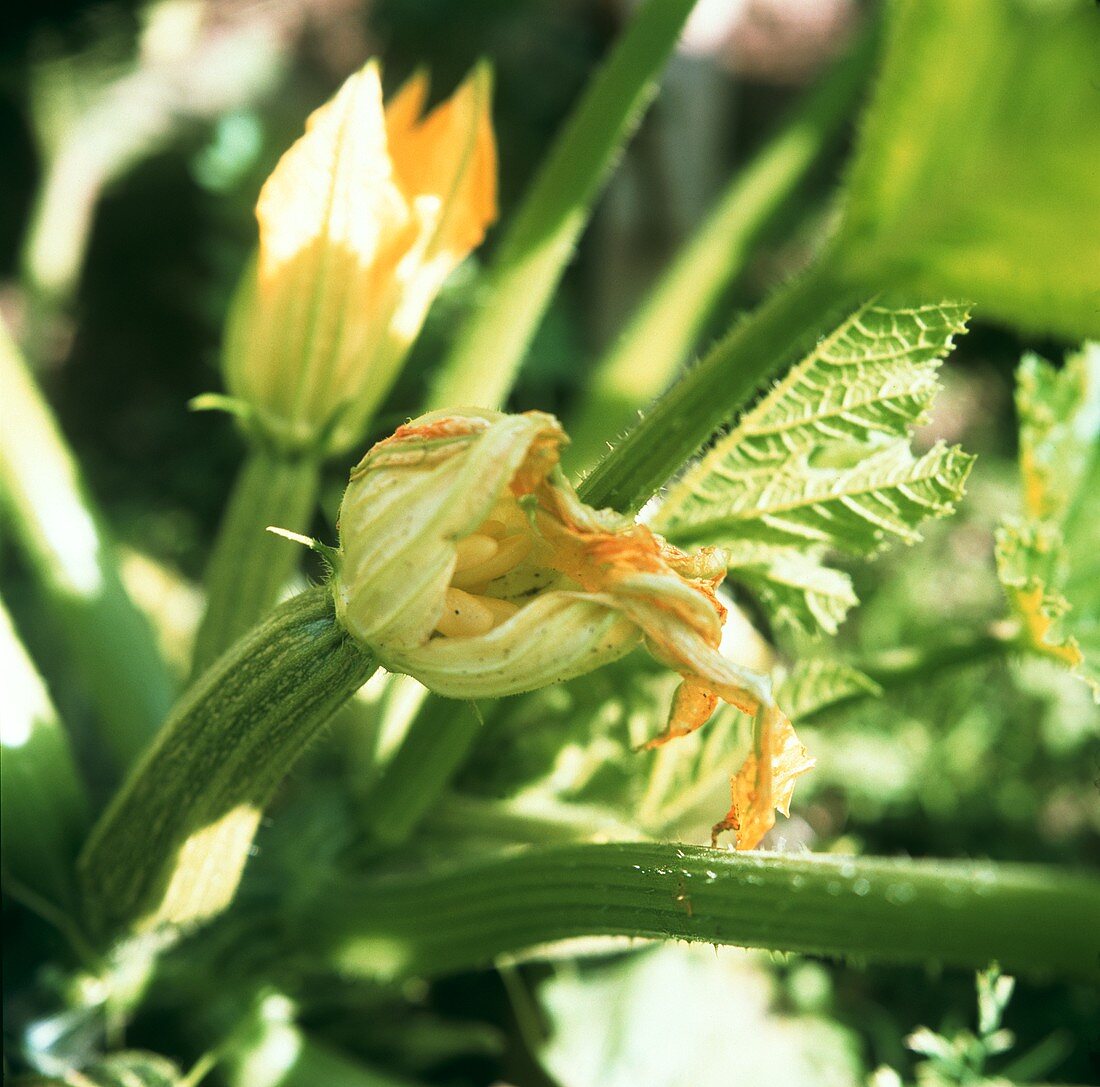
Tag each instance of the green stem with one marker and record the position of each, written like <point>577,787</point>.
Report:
<point>44,806</point>
<point>75,568</point>
<point>171,847</point>
<point>249,567</point>
<point>432,751</point>
<point>961,914</point>
<point>711,394</point>
<point>666,326</point>
<point>533,254</point>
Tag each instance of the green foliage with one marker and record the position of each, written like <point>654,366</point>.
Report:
<point>666,325</point>
<point>823,462</point>
<point>45,806</point>
<point>46,504</point>
<point>1059,419</point>
<point>812,686</point>
<point>961,1058</point>
<point>967,181</point>
<point>127,1068</point>
<point>382,868</point>
<point>1059,413</point>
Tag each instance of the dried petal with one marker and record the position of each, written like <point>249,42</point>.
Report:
<point>765,783</point>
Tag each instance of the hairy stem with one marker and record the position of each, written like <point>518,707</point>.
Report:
<point>171,847</point>
<point>712,393</point>
<point>961,914</point>
<point>666,326</point>
<point>249,567</point>
<point>533,254</point>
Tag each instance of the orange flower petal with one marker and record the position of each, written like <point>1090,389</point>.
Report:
<point>765,783</point>
<point>451,155</point>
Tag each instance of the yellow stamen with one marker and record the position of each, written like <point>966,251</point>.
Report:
<point>474,550</point>
<point>502,610</point>
<point>464,615</point>
<point>494,528</point>
<point>509,553</point>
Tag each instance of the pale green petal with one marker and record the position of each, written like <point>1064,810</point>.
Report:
<point>557,636</point>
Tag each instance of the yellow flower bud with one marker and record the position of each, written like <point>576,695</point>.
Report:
<point>360,223</point>
<point>468,561</point>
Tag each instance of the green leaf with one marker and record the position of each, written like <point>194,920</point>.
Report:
<point>44,806</point>
<point>823,462</point>
<point>74,567</point>
<point>1059,418</point>
<point>814,685</point>
<point>857,509</point>
<point>873,378</point>
<point>610,1024</point>
<point>975,175</point>
<point>854,509</point>
<point>1059,415</point>
<point>793,583</point>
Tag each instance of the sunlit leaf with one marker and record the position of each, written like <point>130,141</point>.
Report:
<point>683,1015</point>
<point>823,462</point>
<point>968,179</point>
<point>859,509</point>
<point>1059,419</point>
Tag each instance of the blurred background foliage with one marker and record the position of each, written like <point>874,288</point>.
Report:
<point>134,140</point>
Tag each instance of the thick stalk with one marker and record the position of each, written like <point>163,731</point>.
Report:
<point>710,395</point>
<point>962,914</point>
<point>481,367</point>
<point>75,569</point>
<point>171,847</point>
<point>44,806</point>
<point>249,567</point>
<point>664,329</point>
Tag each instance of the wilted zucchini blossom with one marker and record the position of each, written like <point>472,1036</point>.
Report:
<point>468,561</point>
<point>360,223</point>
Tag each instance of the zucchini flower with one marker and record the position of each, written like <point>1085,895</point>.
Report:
<point>467,560</point>
<point>360,223</point>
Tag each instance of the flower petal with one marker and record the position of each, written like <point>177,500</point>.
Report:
<point>556,637</point>
<point>410,501</point>
<point>765,783</point>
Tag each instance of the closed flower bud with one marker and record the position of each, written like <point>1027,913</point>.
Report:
<point>467,561</point>
<point>360,223</point>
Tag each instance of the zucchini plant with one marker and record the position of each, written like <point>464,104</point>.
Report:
<point>544,705</point>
